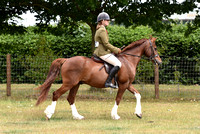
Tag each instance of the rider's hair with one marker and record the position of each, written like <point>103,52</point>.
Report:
<point>99,25</point>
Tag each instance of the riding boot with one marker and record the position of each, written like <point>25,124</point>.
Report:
<point>111,75</point>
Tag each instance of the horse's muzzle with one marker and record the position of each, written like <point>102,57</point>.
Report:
<point>158,62</point>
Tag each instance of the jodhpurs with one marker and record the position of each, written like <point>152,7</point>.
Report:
<point>110,58</point>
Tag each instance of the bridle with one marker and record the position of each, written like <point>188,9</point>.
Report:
<point>152,57</point>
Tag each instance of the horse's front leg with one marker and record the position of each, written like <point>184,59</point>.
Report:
<point>138,108</point>
<point>120,92</point>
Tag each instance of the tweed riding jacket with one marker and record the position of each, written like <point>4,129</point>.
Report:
<point>104,47</point>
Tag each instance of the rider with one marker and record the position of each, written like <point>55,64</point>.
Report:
<point>104,49</point>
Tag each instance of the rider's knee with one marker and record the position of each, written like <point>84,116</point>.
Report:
<point>119,64</point>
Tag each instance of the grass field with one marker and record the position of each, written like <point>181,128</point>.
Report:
<point>158,117</point>
<point>167,92</point>
<point>175,112</point>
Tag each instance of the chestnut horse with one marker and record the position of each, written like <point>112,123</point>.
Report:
<point>80,69</point>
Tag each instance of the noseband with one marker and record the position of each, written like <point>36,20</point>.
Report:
<point>152,57</point>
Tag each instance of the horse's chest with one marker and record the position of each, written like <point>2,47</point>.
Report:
<point>127,73</point>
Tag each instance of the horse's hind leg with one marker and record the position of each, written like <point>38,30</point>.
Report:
<point>49,111</point>
<point>71,99</point>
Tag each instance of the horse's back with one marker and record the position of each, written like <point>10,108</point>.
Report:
<point>80,64</point>
<point>84,69</point>
<point>74,62</point>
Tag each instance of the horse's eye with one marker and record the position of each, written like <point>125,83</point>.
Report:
<point>155,49</point>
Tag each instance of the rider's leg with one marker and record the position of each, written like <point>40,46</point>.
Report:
<point>111,75</point>
<point>110,58</point>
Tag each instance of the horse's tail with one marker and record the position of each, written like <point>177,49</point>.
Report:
<point>53,73</point>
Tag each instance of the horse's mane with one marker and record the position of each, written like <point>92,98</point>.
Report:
<point>134,44</point>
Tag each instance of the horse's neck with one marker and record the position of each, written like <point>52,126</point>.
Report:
<point>137,52</point>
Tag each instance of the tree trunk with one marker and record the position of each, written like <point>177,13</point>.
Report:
<point>93,30</point>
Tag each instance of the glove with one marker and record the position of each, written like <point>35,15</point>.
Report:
<point>119,50</point>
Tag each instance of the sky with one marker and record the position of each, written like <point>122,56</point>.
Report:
<point>30,20</point>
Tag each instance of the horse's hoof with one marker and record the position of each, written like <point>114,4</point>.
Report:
<point>115,117</point>
<point>78,117</point>
<point>47,119</point>
<point>139,116</point>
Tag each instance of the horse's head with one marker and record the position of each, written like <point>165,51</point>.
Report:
<point>151,51</point>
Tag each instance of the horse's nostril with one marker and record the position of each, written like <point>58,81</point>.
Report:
<point>159,63</point>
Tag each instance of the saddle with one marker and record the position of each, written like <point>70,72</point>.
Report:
<point>105,65</point>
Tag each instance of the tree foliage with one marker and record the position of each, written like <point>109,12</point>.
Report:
<point>126,12</point>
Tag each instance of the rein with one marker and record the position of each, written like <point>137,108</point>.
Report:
<point>132,55</point>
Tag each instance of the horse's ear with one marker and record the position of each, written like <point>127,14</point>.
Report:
<point>154,39</point>
<point>150,37</point>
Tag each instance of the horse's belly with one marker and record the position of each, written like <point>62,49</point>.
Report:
<point>96,77</point>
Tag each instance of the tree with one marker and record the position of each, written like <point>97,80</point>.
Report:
<point>8,10</point>
<point>127,12</point>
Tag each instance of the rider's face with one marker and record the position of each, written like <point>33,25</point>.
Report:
<point>105,22</point>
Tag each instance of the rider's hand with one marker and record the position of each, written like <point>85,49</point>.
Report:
<point>119,50</point>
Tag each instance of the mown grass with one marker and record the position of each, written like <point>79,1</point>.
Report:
<point>167,92</point>
<point>175,112</point>
<point>158,117</point>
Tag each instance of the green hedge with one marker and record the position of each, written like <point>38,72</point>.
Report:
<point>176,43</point>
<point>119,35</point>
<point>170,43</point>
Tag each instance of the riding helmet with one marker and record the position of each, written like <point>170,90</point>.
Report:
<point>103,16</point>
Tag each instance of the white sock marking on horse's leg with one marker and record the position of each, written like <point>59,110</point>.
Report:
<point>114,114</point>
<point>75,113</point>
<point>138,109</point>
<point>49,111</point>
